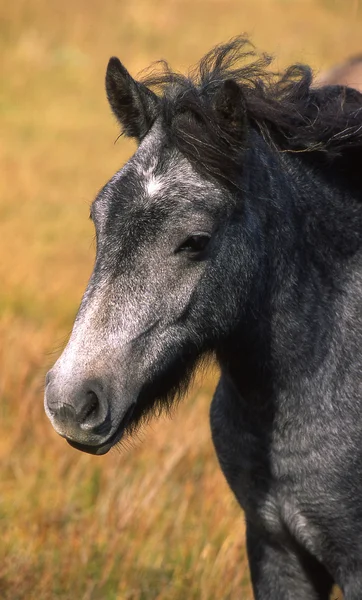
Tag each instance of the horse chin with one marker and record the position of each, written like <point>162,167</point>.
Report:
<point>116,437</point>
<point>96,450</point>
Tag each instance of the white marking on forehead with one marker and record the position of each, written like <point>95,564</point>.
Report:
<point>153,185</point>
<point>146,165</point>
<point>177,170</point>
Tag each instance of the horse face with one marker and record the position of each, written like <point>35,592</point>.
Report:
<point>146,314</point>
<point>168,247</point>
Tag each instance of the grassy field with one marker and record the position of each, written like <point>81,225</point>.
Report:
<point>154,520</point>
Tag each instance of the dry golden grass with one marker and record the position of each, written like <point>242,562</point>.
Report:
<point>156,520</point>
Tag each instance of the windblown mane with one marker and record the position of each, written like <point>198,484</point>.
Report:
<point>285,108</point>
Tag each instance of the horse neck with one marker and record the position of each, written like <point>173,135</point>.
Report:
<point>308,280</point>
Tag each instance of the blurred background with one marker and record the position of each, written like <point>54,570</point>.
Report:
<point>155,519</point>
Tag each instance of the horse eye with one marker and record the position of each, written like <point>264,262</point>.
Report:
<point>195,243</point>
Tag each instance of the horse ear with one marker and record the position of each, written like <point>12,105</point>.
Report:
<point>230,108</point>
<point>134,105</point>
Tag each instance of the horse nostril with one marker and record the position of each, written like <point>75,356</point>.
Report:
<point>92,408</point>
<point>78,410</point>
<point>91,411</point>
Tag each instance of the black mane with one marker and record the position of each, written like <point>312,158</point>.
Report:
<point>285,108</point>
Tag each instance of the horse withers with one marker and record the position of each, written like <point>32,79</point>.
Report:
<point>235,231</point>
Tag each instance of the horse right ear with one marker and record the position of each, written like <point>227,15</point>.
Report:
<point>230,107</point>
<point>134,105</point>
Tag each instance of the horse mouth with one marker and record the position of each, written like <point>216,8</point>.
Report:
<point>114,439</point>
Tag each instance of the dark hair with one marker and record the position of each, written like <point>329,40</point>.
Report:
<point>285,108</point>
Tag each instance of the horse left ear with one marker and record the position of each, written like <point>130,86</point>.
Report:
<point>134,105</point>
<point>230,107</point>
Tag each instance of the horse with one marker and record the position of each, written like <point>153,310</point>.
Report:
<point>234,232</point>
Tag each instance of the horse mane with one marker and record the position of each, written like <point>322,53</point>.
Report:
<point>289,112</point>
